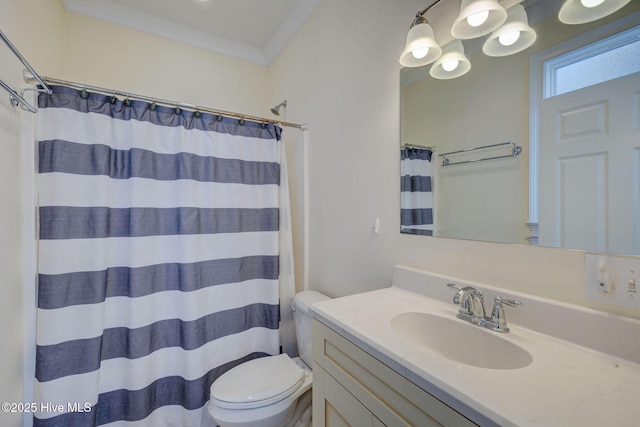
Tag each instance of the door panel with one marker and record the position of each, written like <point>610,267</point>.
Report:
<point>597,143</point>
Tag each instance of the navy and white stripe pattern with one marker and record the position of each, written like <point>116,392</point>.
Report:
<point>158,258</point>
<point>416,191</point>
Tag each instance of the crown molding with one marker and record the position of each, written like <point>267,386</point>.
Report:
<point>135,20</point>
<point>299,14</point>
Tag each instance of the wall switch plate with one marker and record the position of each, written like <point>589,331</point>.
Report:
<point>613,279</point>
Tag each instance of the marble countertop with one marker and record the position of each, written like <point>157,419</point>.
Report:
<point>565,385</point>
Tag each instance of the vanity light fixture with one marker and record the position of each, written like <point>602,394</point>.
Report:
<point>583,11</point>
<point>453,63</point>
<point>514,36</point>
<point>478,18</point>
<point>421,48</point>
<point>505,20</point>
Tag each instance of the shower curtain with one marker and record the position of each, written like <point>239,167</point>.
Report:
<point>416,191</point>
<point>158,258</point>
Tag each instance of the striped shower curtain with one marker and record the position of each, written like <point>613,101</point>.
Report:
<point>158,258</point>
<point>416,191</point>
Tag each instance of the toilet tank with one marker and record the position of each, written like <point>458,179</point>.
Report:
<point>301,305</point>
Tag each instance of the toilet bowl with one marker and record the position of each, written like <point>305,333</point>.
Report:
<point>272,391</point>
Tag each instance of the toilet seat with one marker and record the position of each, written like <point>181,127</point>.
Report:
<point>271,379</point>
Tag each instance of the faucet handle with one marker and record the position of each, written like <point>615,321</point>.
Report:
<point>510,302</point>
<point>456,297</point>
<point>465,289</point>
<point>498,321</point>
<point>454,286</point>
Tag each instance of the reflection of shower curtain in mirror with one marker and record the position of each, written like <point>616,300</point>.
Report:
<point>416,191</point>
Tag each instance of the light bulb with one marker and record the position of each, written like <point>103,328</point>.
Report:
<point>509,38</point>
<point>478,18</point>
<point>450,64</point>
<point>591,3</point>
<point>420,52</point>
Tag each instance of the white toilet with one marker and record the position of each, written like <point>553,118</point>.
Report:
<point>272,391</point>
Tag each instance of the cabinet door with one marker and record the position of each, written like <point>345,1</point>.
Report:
<point>390,398</point>
<point>334,406</point>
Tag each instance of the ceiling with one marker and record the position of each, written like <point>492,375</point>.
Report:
<point>251,30</point>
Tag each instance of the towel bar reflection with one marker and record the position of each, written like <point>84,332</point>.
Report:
<point>420,147</point>
<point>515,151</point>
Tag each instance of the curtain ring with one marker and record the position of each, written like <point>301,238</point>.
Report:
<point>263,125</point>
<point>84,94</point>
<point>197,114</point>
<point>178,110</point>
<point>127,102</point>
<point>153,106</point>
<point>219,118</point>
<point>113,99</point>
<point>241,122</point>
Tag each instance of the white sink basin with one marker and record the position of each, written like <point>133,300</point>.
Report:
<point>459,341</point>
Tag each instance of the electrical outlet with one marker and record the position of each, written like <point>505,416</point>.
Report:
<point>613,279</point>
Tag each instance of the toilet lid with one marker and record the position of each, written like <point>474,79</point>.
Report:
<point>257,383</point>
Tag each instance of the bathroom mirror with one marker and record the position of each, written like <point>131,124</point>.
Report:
<point>502,200</point>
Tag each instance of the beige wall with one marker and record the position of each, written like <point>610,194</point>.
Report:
<point>340,75</point>
<point>11,302</point>
<point>106,55</point>
<point>34,27</point>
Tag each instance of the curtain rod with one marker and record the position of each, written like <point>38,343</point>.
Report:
<point>18,100</point>
<point>24,62</point>
<point>127,95</point>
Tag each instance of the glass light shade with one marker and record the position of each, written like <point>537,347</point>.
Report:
<point>517,21</point>
<point>575,12</point>
<point>478,18</point>
<point>450,65</point>
<point>419,39</point>
<point>507,39</point>
<point>452,54</point>
<point>463,30</point>
<point>591,3</point>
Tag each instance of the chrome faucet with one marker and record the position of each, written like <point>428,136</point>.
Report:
<point>471,302</point>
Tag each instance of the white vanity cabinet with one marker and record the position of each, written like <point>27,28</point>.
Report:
<point>352,388</point>
<point>394,357</point>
